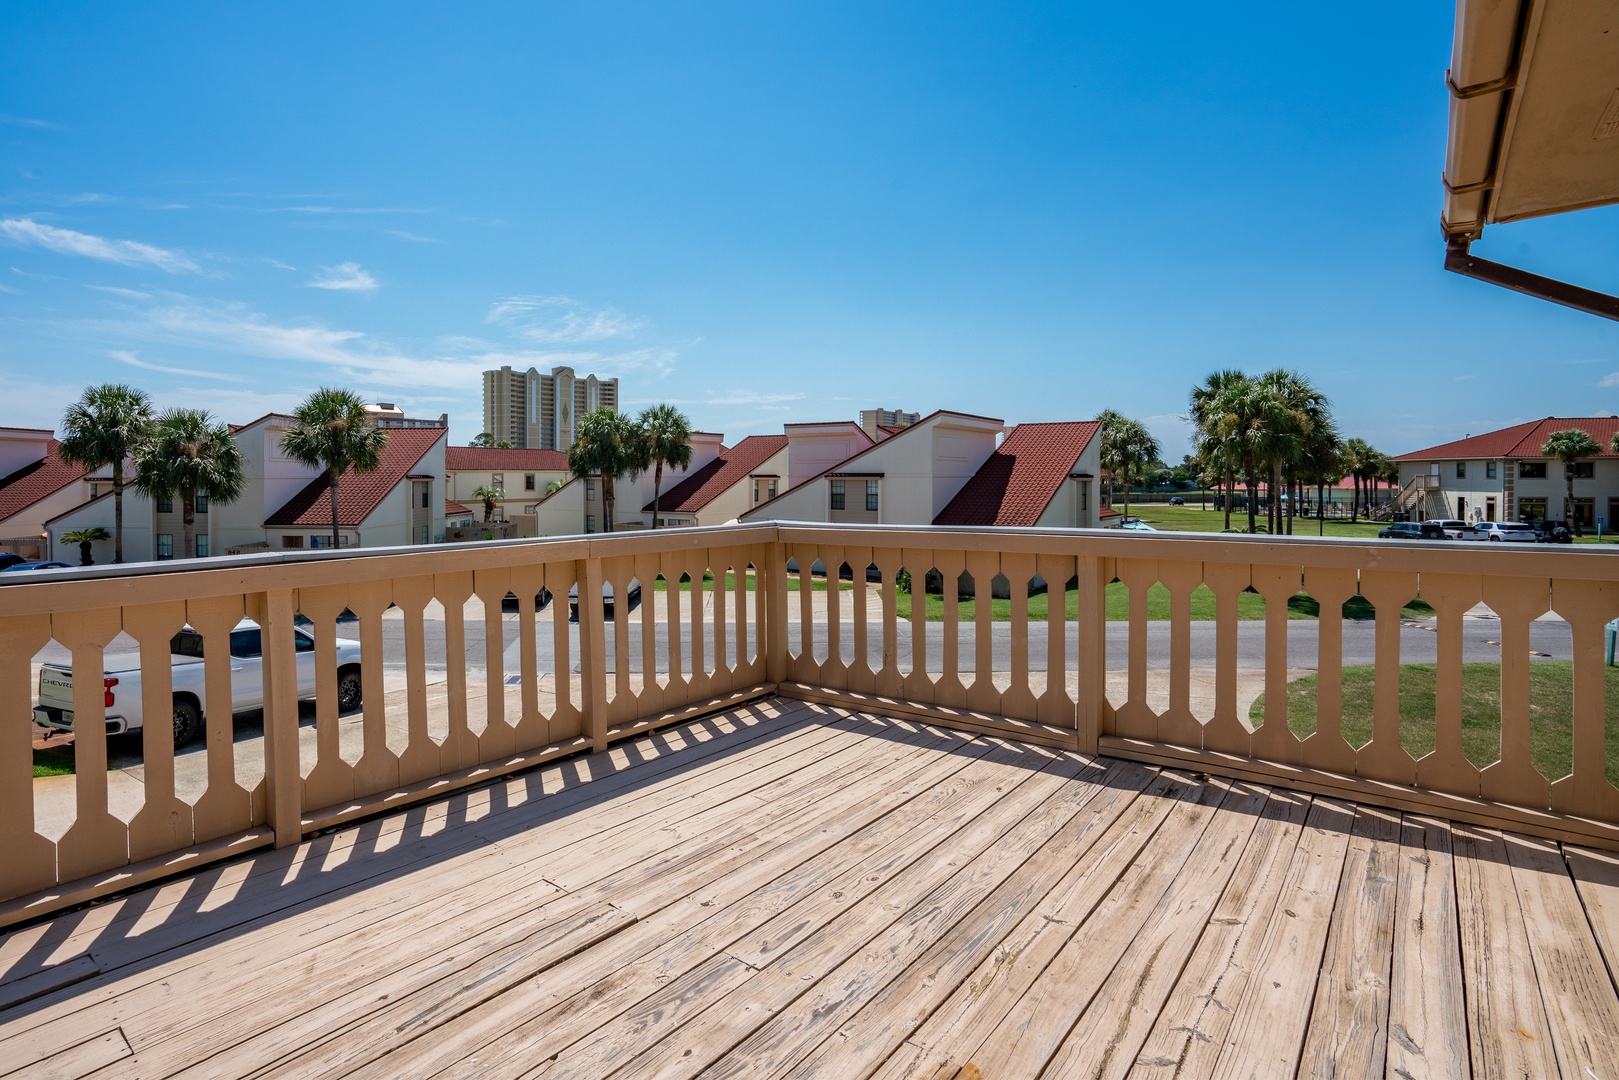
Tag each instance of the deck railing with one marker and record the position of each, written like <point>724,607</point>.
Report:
<point>471,669</point>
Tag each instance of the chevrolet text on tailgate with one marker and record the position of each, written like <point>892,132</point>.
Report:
<point>121,682</point>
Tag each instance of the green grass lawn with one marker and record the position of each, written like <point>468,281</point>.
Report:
<point>1551,700</point>
<point>51,763</point>
<point>1196,519</point>
<point>1249,606</point>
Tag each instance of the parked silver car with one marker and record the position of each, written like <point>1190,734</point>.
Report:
<point>1509,531</point>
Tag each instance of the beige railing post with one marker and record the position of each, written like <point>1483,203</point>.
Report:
<point>593,651</point>
<point>773,592</point>
<point>1092,667</point>
<point>282,774</point>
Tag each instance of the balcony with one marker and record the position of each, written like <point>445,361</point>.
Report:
<point>737,829</point>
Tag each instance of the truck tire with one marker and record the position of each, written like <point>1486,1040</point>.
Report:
<point>349,689</point>
<point>187,721</point>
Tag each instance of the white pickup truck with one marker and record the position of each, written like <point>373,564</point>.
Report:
<point>122,682</point>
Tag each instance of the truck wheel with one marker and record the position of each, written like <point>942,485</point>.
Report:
<point>187,722</point>
<point>348,689</point>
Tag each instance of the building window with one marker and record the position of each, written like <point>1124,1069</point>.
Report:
<point>165,545</point>
<point>426,493</point>
<point>528,481</point>
<point>292,541</point>
<point>871,495</point>
<point>1084,497</point>
<point>1531,509</point>
<point>770,490</point>
<point>202,547</point>
<point>590,491</point>
<point>165,505</point>
<point>837,494</point>
<point>1461,470</point>
<point>1532,470</point>
<point>1584,470</point>
<point>1489,470</point>
<point>199,502</point>
<point>590,523</point>
<point>498,479</point>
<point>95,491</point>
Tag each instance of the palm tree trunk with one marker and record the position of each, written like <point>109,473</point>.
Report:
<point>188,523</point>
<point>118,512</point>
<point>1292,498</point>
<point>333,492</point>
<point>607,502</point>
<point>657,487</point>
<point>1321,507</point>
<point>1251,480</point>
<point>1230,488</point>
<point>1568,503</point>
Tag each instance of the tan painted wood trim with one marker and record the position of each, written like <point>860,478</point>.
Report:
<point>956,719</point>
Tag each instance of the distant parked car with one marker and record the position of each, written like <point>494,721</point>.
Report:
<point>1176,500</point>
<point>1413,530</point>
<point>20,566</point>
<point>634,600</point>
<point>9,559</point>
<point>1509,531</point>
<point>1454,527</point>
<point>1553,531</point>
<point>541,598</point>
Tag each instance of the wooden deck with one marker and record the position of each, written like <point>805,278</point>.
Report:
<point>786,890</point>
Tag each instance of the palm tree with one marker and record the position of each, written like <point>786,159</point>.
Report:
<point>489,493</point>
<point>1204,414</point>
<point>483,440</point>
<point>331,430</point>
<point>1356,453</point>
<point>190,453</point>
<point>106,426</point>
<point>1127,445</point>
<point>608,445</point>
<point>84,538</point>
<point>553,487</point>
<point>1305,411</point>
<point>666,433</point>
<point>1569,446</point>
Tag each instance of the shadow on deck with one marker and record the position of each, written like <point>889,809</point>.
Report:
<point>786,889</point>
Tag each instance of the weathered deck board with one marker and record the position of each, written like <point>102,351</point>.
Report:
<point>790,890</point>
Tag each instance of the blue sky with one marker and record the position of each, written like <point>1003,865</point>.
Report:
<point>764,212</point>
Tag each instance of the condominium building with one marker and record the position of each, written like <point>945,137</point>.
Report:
<point>880,423</point>
<point>538,412</point>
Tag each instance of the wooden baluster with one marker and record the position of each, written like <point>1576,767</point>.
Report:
<point>674,598</point>
<point>1275,740</point>
<point>420,758</point>
<point>889,682</point>
<point>1587,606</point>
<point>1018,699</point>
<point>527,581</point>
<point>834,670</point>
<point>567,714</point>
<point>918,686</point>
<point>1514,779</point>
<point>1384,758</point>
<point>950,691</point>
<point>719,679</point>
<point>1326,748</point>
<point>499,738</point>
<point>773,564</point>
<point>331,779</point>
<point>862,679</point>
<point>617,573</point>
<point>696,566</point>
<point>652,695</point>
<point>378,767</point>
<point>225,807</point>
<point>739,618</point>
<point>1447,768</point>
<point>282,777</point>
<point>1056,706</point>
<point>164,822</point>
<point>763,600</point>
<point>96,840</point>
<point>1226,732</point>
<point>30,857</point>
<point>1178,724</point>
<point>1134,719</point>
<point>460,748</point>
<point>1091,669</point>
<point>984,695</point>
<point>592,652</point>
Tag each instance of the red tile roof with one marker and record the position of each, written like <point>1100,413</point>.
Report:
<point>1520,440</point>
<point>503,459</point>
<point>1016,484</point>
<point>31,483</point>
<point>453,507</point>
<point>714,479</point>
<point>358,494</point>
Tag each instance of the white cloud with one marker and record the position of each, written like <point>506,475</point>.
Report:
<point>278,264</point>
<point>403,235</point>
<point>560,320</point>
<point>27,121</point>
<point>1609,381</point>
<point>125,357</point>
<point>345,277</point>
<point>129,294</point>
<point>26,231</point>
